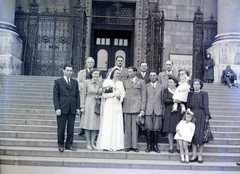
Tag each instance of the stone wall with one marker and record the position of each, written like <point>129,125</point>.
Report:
<point>11,48</point>
<point>178,32</point>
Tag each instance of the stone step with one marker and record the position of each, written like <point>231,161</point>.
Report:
<point>52,135</point>
<point>116,163</point>
<point>45,128</point>
<point>52,116</point>
<point>51,121</point>
<point>19,151</point>
<point>10,110</point>
<point>49,101</point>
<point>33,106</point>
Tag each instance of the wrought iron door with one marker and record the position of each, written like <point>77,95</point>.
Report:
<point>155,31</point>
<point>203,37</point>
<point>51,39</point>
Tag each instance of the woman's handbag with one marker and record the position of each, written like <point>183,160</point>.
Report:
<point>207,134</point>
<point>97,107</point>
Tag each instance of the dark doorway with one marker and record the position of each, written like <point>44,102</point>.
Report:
<point>107,44</point>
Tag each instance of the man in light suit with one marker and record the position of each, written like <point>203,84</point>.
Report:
<point>163,76</point>
<point>154,112</point>
<point>82,76</point>
<point>66,104</point>
<point>133,105</point>
<point>123,71</point>
<point>144,74</point>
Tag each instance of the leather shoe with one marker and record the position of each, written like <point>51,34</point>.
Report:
<point>170,150</point>
<point>61,149</point>
<point>127,149</point>
<point>238,163</point>
<point>200,162</point>
<point>135,149</point>
<point>71,148</point>
<point>196,159</point>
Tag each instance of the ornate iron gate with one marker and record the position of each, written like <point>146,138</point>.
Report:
<point>203,37</point>
<point>155,31</point>
<point>51,39</point>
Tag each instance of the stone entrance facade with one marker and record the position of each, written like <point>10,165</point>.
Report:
<point>178,26</point>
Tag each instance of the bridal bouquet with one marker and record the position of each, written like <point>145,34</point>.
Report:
<point>108,89</point>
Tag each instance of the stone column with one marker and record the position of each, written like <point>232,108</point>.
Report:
<point>10,43</point>
<point>226,48</point>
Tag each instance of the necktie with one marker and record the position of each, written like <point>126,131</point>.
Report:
<point>153,85</point>
<point>68,81</point>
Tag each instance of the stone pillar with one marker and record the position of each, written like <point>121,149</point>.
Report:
<point>11,45</point>
<point>226,48</point>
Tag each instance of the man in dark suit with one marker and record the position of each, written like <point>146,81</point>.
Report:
<point>66,104</point>
<point>154,112</point>
<point>163,76</point>
<point>144,74</point>
<point>119,65</point>
<point>133,105</point>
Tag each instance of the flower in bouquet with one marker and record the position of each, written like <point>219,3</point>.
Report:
<point>108,89</point>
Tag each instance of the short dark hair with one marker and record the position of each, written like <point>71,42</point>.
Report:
<point>133,68</point>
<point>113,71</point>
<point>67,65</point>
<point>174,79</point>
<point>197,80</point>
<point>93,70</point>
<point>119,56</point>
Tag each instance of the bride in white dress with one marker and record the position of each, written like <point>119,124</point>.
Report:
<point>111,134</point>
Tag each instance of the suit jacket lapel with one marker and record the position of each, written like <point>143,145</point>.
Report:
<point>65,83</point>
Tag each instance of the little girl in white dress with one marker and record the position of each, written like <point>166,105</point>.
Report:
<point>185,131</point>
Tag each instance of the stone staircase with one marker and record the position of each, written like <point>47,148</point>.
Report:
<point>28,132</point>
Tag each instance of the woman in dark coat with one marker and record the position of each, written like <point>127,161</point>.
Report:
<point>208,69</point>
<point>198,103</point>
<point>171,119</point>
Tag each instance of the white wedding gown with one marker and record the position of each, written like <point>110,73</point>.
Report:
<point>111,134</point>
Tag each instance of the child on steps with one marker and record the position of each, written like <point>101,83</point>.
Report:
<point>185,131</point>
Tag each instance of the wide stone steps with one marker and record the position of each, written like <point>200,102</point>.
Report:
<point>46,128</point>
<point>52,121</point>
<point>28,132</point>
<point>82,153</point>
<point>116,163</point>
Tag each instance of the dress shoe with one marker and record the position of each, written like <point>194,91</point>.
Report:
<point>148,149</point>
<point>155,149</point>
<point>178,151</point>
<point>238,163</point>
<point>61,149</point>
<point>196,159</point>
<point>127,149</point>
<point>200,161</point>
<point>71,148</point>
<point>135,149</point>
<point>170,150</point>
